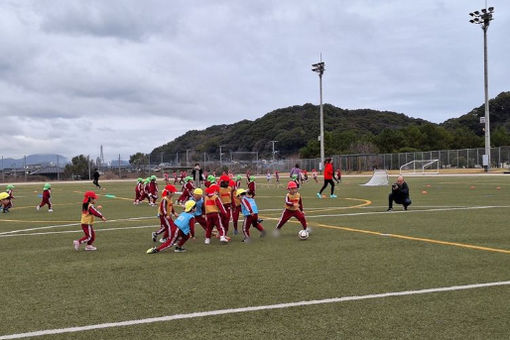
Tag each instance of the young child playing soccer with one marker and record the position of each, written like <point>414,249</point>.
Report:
<point>293,208</point>
<point>165,213</point>
<point>10,191</point>
<point>138,191</point>
<point>4,198</point>
<point>88,211</point>
<point>187,190</point>
<point>153,190</point>
<point>251,186</point>
<point>314,175</point>
<point>251,215</point>
<point>214,213</point>
<point>183,229</point>
<point>199,209</point>
<point>46,198</point>
<point>226,196</point>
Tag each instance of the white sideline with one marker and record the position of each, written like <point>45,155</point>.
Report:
<point>250,309</point>
<point>79,231</point>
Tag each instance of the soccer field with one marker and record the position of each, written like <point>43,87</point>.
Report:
<point>439,270</point>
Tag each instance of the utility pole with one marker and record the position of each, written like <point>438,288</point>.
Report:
<point>274,152</point>
<point>483,18</point>
<point>319,68</point>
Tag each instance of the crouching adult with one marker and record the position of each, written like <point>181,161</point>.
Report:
<point>399,194</point>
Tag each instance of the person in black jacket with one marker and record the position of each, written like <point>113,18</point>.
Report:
<point>96,178</point>
<point>399,194</point>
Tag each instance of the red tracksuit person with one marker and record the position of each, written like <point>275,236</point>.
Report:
<point>165,212</point>
<point>153,191</point>
<point>251,215</point>
<point>251,186</point>
<point>226,197</point>
<point>199,209</point>
<point>214,212</point>
<point>293,207</point>
<point>6,206</point>
<point>138,191</point>
<point>46,198</point>
<point>187,190</point>
<point>88,211</point>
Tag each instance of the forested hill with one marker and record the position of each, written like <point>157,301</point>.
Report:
<point>296,129</point>
<point>292,127</point>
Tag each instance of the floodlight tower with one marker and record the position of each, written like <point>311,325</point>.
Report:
<point>319,68</point>
<point>483,18</point>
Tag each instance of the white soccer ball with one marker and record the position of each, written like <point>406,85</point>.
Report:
<point>303,234</point>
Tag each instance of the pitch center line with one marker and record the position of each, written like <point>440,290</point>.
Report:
<point>251,309</point>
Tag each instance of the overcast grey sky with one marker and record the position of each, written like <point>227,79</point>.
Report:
<point>133,75</point>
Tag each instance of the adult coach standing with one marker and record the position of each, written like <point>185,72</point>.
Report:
<point>198,175</point>
<point>328,179</point>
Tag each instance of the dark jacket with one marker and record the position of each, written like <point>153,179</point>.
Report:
<point>400,193</point>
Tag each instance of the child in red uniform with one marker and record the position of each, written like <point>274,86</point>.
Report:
<point>88,211</point>
<point>314,175</point>
<point>198,197</point>
<point>251,215</point>
<point>214,212</point>
<point>338,175</point>
<point>165,212</point>
<point>146,189</point>
<point>46,198</point>
<point>187,190</point>
<point>293,208</point>
<point>138,191</point>
<point>251,186</point>
<point>226,197</point>
<point>6,206</point>
<point>153,190</point>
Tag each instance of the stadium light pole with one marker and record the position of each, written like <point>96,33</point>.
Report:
<point>483,18</point>
<point>319,68</point>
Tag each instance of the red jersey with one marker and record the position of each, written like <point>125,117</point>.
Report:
<point>328,171</point>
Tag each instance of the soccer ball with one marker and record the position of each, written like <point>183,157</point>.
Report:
<point>303,234</point>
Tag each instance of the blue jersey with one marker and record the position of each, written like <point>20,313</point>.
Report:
<point>247,202</point>
<point>182,222</point>
<point>198,206</point>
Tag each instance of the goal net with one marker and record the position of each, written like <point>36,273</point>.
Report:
<point>379,178</point>
<point>425,166</point>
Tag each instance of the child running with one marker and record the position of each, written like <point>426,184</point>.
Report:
<point>88,211</point>
<point>199,209</point>
<point>165,212</point>
<point>251,215</point>
<point>251,186</point>
<point>153,190</point>
<point>138,191</point>
<point>46,198</point>
<point>183,229</point>
<point>293,208</point>
<point>214,212</point>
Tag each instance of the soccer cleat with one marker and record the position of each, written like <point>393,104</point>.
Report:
<point>37,207</point>
<point>90,247</point>
<point>179,250</point>
<point>405,207</point>
<point>207,241</point>
<point>154,236</point>
<point>152,250</point>
<point>319,195</point>
<point>223,239</point>
<point>51,210</point>
<point>389,209</point>
<point>332,196</point>
<point>76,245</point>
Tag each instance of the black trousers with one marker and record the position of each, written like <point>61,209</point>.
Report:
<point>330,181</point>
<point>399,200</point>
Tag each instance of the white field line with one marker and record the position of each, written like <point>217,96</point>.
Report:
<point>79,231</point>
<point>72,224</point>
<point>410,211</point>
<point>250,309</point>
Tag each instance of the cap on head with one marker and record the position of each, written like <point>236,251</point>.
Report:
<point>88,195</point>
<point>224,178</point>
<point>10,186</point>
<point>153,178</point>
<point>170,188</point>
<point>252,178</point>
<point>3,195</point>
<point>294,177</point>
<point>47,186</point>
<point>239,192</point>
<point>189,205</point>
<point>139,179</point>
<point>238,177</point>
<point>198,191</point>
<point>292,185</point>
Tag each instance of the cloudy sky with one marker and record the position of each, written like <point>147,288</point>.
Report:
<point>132,75</point>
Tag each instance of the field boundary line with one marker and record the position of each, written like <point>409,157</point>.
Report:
<point>80,231</point>
<point>251,309</point>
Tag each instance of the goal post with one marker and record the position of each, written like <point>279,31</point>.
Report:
<point>379,178</point>
<point>424,166</point>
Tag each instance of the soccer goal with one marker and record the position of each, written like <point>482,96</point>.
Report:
<point>417,167</point>
<point>379,178</point>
